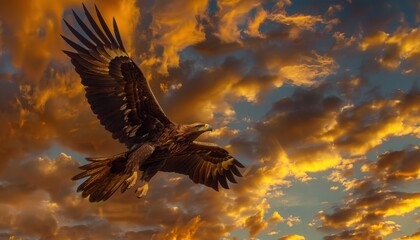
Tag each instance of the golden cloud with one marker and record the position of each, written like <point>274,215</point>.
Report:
<point>398,165</point>
<point>181,232</point>
<point>366,210</point>
<point>43,103</point>
<point>33,39</point>
<point>305,22</point>
<point>304,138</point>
<point>341,41</point>
<point>276,217</point>
<point>175,30</point>
<point>356,137</point>
<point>373,40</point>
<point>309,70</point>
<point>233,13</point>
<point>48,102</point>
<point>292,237</point>
<point>414,236</point>
<point>253,29</point>
<point>399,46</point>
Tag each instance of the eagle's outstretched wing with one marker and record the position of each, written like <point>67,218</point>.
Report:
<point>205,163</point>
<point>115,87</point>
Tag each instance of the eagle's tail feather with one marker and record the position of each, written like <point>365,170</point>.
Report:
<point>106,175</point>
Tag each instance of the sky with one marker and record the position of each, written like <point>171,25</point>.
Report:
<point>319,99</point>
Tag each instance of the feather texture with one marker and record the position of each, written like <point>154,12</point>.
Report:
<point>116,89</point>
<point>206,164</point>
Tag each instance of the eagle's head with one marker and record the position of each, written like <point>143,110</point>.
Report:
<point>192,131</point>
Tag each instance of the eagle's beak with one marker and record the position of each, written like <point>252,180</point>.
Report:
<point>206,128</point>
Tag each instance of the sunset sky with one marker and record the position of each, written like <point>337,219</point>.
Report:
<point>319,99</point>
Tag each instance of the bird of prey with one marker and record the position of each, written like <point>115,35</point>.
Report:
<point>122,100</point>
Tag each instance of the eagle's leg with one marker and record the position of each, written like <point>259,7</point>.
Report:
<point>148,173</point>
<point>131,181</point>
<point>142,191</point>
<point>135,160</point>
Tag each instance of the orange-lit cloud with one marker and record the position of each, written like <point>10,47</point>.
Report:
<point>397,47</point>
<point>254,24</point>
<point>48,102</point>
<point>183,232</point>
<point>414,236</point>
<point>398,165</point>
<point>309,70</point>
<point>174,31</point>
<point>366,212</point>
<point>292,237</point>
<point>293,92</point>
<point>233,13</point>
<point>373,40</point>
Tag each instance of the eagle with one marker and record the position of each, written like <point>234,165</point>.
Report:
<point>121,98</point>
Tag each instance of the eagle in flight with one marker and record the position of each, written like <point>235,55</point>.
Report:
<point>122,100</point>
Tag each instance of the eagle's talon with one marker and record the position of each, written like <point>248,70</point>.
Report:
<point>132,180</point>
<point>142,191</point>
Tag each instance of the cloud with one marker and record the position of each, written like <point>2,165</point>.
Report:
<point>366,217</point>
<point>315,130</point>
<point>54,110</point>
<point>397,47</point>
<point>398,165</point>
<point>174,30</point>
<point>306,22</point>
<point>34,192</point>
<point>205,63</point>
<point>185,232</point>
<point>291,220</point>
<point>292,237</point>
<point>95,230</point>
<point>414,236</point>
<point>233,13</point>
<point>341,41</point>
<point>310,124</point>
<point>39,200</point>
<point>310,70</point>
<point>202,92</point>
<point>276,217</point>
<point>363,127</point>
<point>365,212</point>
<point>253,29</point>
<point>44,100</point>
<point>374,40</point>
<point>300,123</point>
<point>236,13</point>
<point>32,38</point>
<point>256,223</point>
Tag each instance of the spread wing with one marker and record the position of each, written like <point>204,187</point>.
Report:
<point>205,163</point>
<point>116,89</point>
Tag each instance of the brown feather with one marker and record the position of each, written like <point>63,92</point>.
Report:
<point>230,177</point>
<point>223,182</point>
<point>104,64</point>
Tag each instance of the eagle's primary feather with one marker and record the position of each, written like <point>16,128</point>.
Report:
<point>121,98</point>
